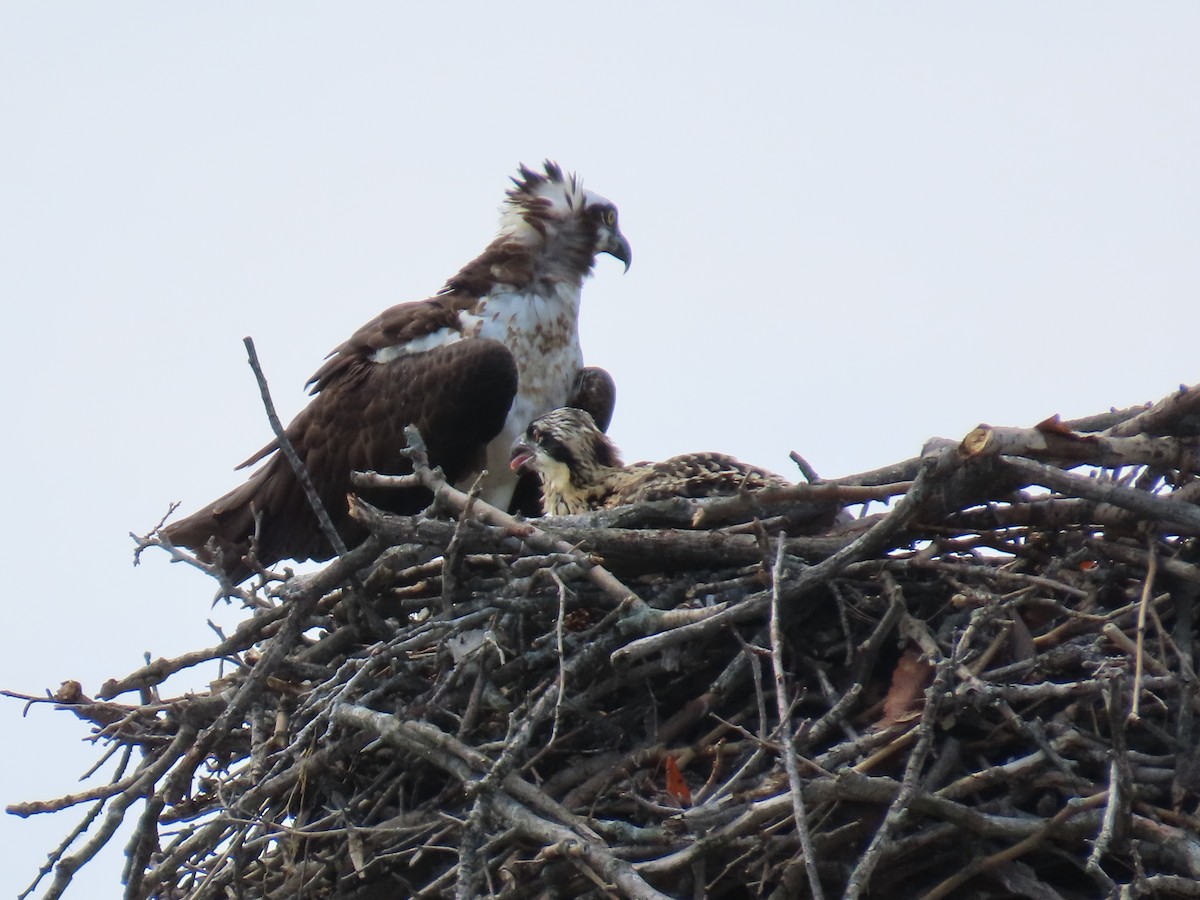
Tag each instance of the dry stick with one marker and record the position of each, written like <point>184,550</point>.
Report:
<point>848,786</point>
<point>300,607</point>
<point>806,469</point>
<point>1073,808</point>
<point>1116,788</point>
<point>984,694</point>
<point>720,509</point>
<point>1147,586</point>
<point>1176,568</point>
<point>872,541</point>
<point>561,840</point>
<point>1163,415</point>
<point>141,845</point>
<point>559,626</point>
<point>1104,421</point>
<point>868,651</point>
<point>460,761</point>
<point>81,828</point>
<point>471,864</point>
<point>646,548</point>
<point>1047,511</point>
<point>101,792</point>
<point>439,885</point>
<point>1188,760</point>
<point>470,867</point>
<point>760,698</point>
<point>1033,731</point>
<point>1073,449</point>
<point>69,865</point>
<point>1148,506</point>
<point>898,811</point>
<point>1169,886</point>
<point>786,737</point>
<point>452,558</point>
<point>156,539</point>
<point>1001,575</point>
<point>433,480</point>
<point>517,741</point>
<point>1122,641</point>
<point>285,447</point>
<point>836,717</point>
<point>548,704</point>
<point>668,732</point>
<point>851,786</point>
<point>211,835</point>
<point>248,633</point>
<point>975,782</point>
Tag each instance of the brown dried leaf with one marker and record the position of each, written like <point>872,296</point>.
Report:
<point>906,695</point>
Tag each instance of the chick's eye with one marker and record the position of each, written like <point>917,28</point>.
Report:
<point>610,217</point>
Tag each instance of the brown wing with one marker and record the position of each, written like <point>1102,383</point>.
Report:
<point>502,262</point>
<point>691,475</point>
<point>395,326</point>
<point>457,395</point>
<point>352,360</point>
<point>595,393</point>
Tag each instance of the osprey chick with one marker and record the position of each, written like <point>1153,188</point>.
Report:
<point>470,367</point>
<point>581,469</point>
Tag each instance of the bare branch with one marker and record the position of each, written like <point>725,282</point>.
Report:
<point>293,458</point>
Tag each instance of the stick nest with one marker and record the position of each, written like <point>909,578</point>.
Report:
<point>978,682</point>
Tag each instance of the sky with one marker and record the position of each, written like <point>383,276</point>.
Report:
<point>854,227</point>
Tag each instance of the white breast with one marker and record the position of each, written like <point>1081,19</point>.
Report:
<point>543,335</point>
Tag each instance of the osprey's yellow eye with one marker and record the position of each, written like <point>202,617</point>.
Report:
<point>610,217</point>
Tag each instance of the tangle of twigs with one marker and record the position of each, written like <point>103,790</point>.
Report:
<point>988,687</point>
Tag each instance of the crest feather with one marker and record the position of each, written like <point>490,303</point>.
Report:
<point>545,194</point>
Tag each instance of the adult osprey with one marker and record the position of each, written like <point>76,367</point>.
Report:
<point>581,469</point>
<point>470,367</point>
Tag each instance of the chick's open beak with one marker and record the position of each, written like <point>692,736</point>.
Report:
<point>522,455</point>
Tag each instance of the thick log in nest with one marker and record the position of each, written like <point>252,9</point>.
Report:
<point>984,686</point>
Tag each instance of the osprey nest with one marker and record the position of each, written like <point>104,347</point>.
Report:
<point>970,674</point>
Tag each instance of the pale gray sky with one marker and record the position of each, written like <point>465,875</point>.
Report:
<point>855,226</point>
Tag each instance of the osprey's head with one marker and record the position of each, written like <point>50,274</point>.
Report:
<point>553,210</point>
<point>566,450</point>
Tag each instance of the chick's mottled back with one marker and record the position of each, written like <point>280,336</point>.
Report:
<point>581,469</point>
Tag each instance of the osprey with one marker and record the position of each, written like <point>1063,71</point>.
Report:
<point>581,470</point>
<point>470,367</point>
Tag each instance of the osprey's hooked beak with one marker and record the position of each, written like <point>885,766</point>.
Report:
<point>615,245</point>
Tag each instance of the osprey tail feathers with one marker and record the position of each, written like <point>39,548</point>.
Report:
<point>268,513</point>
